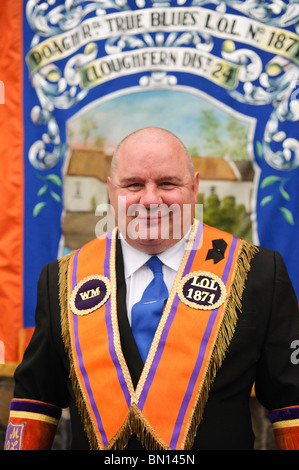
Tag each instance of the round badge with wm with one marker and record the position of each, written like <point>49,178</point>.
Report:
<point>90,294</point>
<point>202,290</point>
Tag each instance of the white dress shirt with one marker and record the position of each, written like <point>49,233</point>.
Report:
<point>138,275</point>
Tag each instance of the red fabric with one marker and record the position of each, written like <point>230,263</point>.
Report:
<point>287,438</point>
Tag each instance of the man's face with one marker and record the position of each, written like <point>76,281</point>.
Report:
<point>153,193</point>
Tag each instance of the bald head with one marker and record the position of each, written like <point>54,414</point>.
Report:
<point>150,135</point>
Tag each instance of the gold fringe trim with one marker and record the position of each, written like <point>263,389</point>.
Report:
<point>225,334</point>
<point>64,268</point>
<point>136,424</point>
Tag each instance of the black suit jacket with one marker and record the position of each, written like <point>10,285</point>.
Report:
<point>259,352</point>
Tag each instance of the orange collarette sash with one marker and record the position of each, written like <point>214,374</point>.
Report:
<point>190,343</point>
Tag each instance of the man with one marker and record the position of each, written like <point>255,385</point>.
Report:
<point>228,318</point>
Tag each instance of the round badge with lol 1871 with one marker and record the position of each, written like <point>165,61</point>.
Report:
<point>202,290</point>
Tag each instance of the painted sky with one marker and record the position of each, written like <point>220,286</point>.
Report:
<point>175,110</point>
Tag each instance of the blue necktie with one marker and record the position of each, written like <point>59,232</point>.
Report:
<point>147,312</point>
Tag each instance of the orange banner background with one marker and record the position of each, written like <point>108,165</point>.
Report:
<point>11,176</point>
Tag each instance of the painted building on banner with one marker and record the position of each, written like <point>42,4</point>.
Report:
<point>85,175</point>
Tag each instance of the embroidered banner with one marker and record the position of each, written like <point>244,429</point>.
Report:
<point>79,76</point>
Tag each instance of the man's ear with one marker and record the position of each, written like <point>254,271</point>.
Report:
<point>109,186</point>
<point>195,184</point>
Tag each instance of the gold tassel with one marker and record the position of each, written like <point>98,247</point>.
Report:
<point>136,424</point>
<point>145,433</point>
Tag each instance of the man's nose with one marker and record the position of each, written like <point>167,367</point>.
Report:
<point>150,195</point>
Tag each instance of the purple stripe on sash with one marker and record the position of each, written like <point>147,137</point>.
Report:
<point>168,323</point>
<point>201,354</point>
<point>229,260</point>
<point>113,354</point>
<point>80,359</point>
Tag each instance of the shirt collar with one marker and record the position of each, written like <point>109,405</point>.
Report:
<point>135,259</point>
